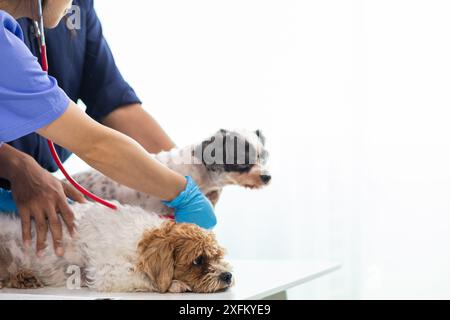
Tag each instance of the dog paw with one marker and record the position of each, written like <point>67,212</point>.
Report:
<point>179,287</point>
<point>24,280</point>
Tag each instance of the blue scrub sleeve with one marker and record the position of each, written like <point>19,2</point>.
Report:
<point>103,87</point>
<point>29,98</point>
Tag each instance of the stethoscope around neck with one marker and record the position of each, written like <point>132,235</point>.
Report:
<point>40,32</point>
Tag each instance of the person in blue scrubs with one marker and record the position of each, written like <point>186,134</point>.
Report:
<point>35,105</point>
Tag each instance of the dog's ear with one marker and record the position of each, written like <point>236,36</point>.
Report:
<point>261,137</point>
<point>156,256</point>
<point>223,132</point>
<point>214,196</point>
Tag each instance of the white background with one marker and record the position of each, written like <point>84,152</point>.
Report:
<point>353,98</point>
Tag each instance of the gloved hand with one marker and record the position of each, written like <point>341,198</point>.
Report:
<point>7,204</point>
<point>192,206</point>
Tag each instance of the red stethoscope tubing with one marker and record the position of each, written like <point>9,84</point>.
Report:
<point>51,145</point>
<point>85,192</point>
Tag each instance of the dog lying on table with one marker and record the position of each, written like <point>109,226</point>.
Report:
<point>127,250</point>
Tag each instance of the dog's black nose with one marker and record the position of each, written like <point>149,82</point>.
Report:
<point>226,277</point>
<point>266,178</point>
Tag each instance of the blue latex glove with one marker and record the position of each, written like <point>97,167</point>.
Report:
<point>192,206</point>
<point>7,204</point>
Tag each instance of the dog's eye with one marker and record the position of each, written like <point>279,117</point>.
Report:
<point>199,261</point>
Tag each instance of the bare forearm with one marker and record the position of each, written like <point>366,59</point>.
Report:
<point>138,124</point>
<point>114,154</point>
<point>129,164</point>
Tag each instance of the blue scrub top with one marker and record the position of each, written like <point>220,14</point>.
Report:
<point>82,63</point>
<point>29,98</point>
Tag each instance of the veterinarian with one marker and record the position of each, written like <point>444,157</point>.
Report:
<point>114,135</point>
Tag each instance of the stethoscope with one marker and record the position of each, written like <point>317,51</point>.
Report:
<point>39,26</point>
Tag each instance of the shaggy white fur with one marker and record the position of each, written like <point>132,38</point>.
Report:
<point>105,248</point>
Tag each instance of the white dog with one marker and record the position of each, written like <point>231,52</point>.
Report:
<point>238,158</point>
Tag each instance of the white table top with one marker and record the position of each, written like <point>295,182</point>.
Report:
<point>255,279</point>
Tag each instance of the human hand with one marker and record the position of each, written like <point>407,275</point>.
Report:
<point>192,206</point>
<point>41,197</point>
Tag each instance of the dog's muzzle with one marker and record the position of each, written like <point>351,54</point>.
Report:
<point>226,277</point>
<point>265,178</point>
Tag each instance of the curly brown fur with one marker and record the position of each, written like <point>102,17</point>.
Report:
<point>183,256</point>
